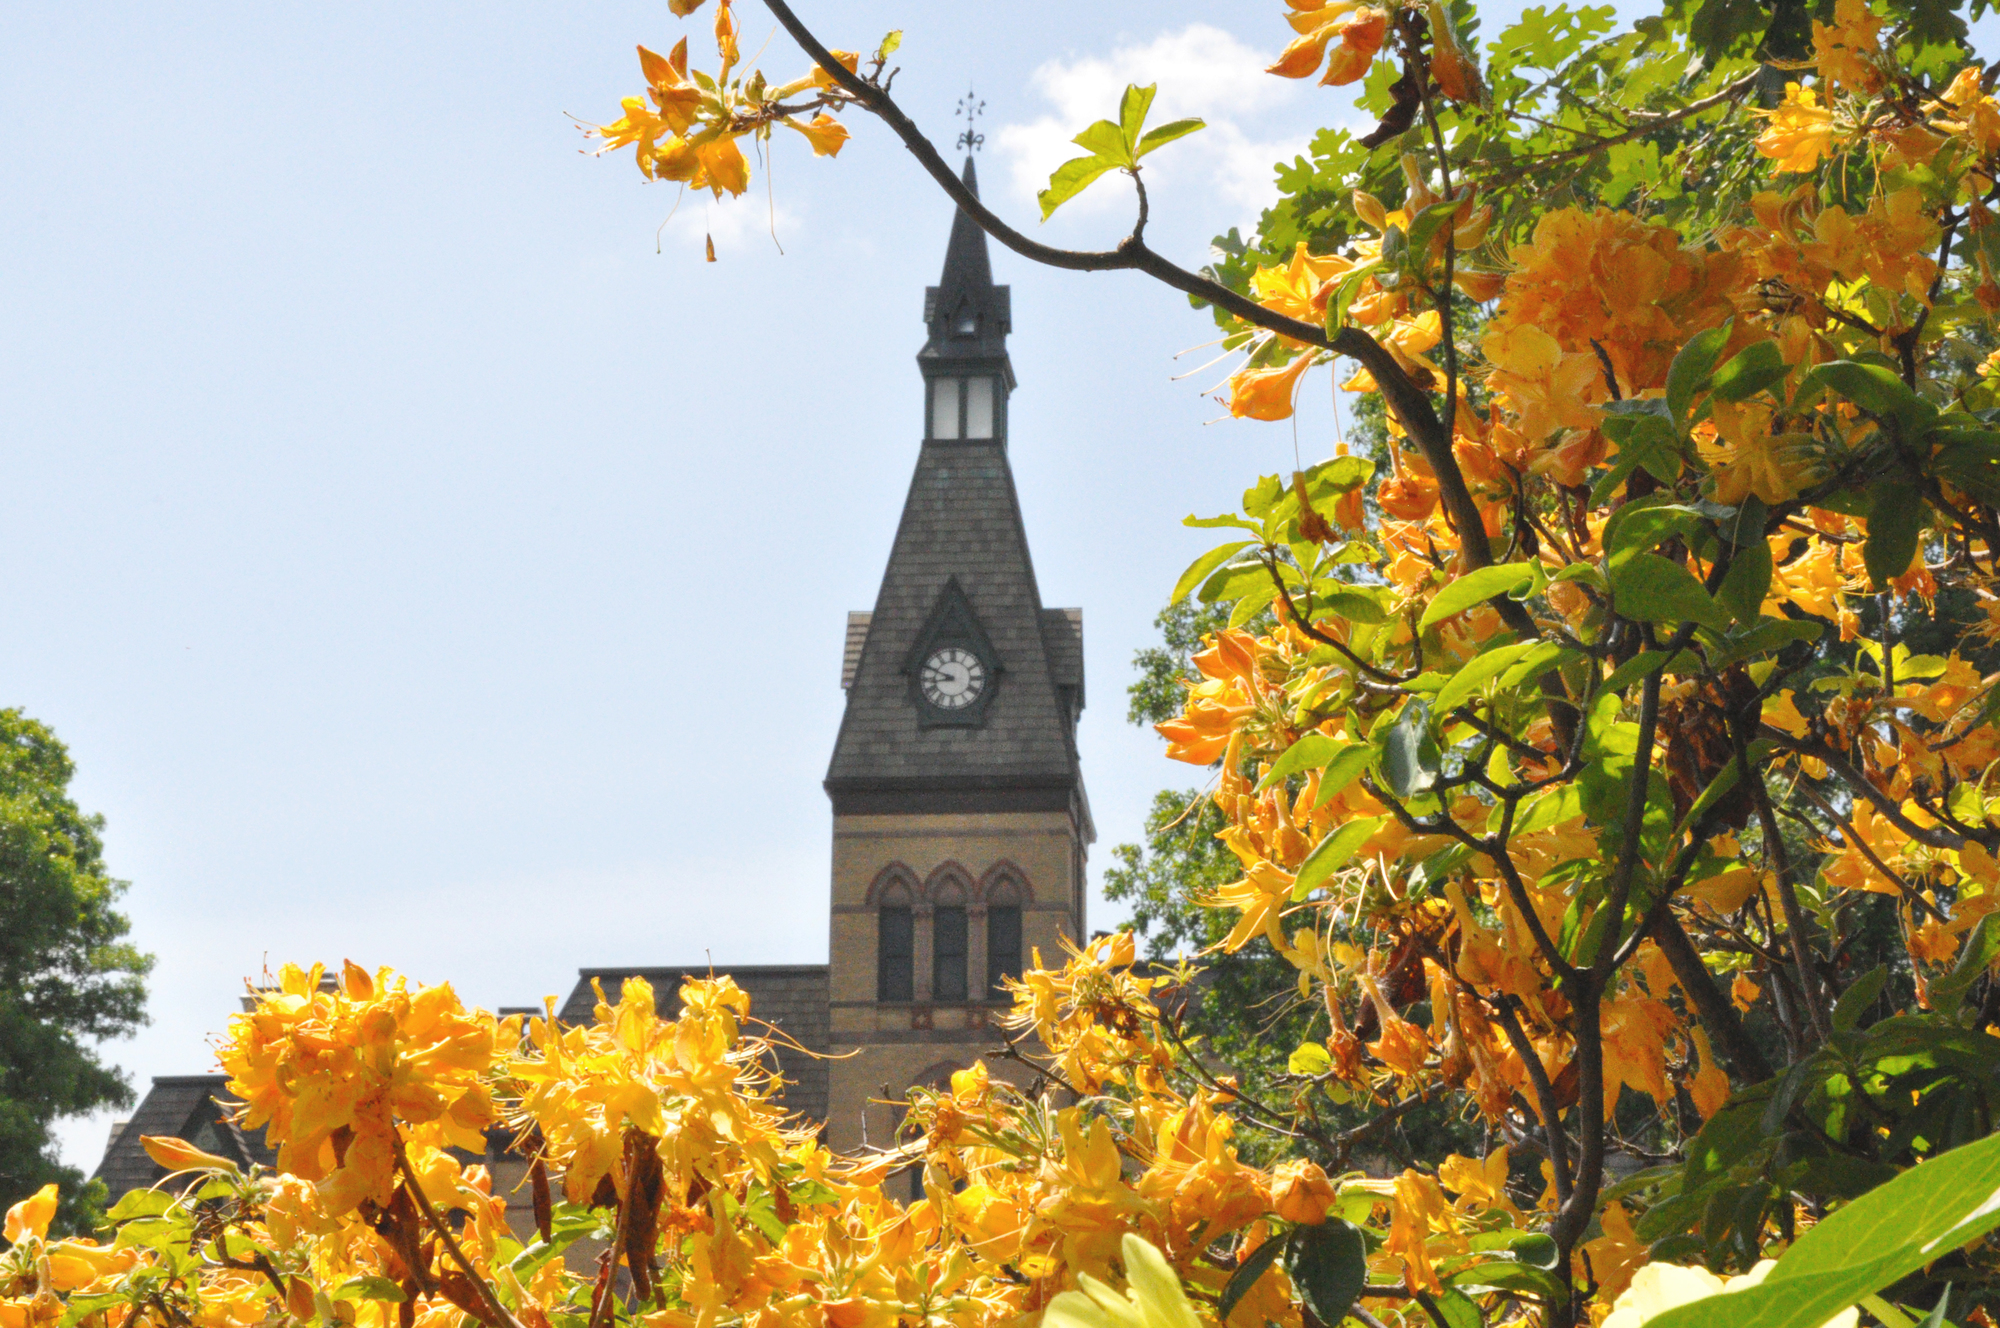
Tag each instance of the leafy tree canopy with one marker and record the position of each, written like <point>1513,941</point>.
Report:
<point>68,977</point>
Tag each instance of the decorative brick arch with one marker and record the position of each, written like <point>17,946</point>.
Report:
<point>894,886</point>
<point>1005,884</point>
<point>951,886</point>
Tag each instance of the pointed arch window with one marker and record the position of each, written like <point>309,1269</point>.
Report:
<point>895,953</point>
<point>894,898</point>
<point>1003,936</point>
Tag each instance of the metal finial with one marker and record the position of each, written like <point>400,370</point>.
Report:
<point>971,108</point>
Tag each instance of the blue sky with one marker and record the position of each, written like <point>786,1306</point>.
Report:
<point>423,568</point>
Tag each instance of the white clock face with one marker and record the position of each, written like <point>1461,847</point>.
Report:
<point>952,678</point>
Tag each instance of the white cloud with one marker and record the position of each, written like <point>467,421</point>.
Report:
<point>1201,71</point>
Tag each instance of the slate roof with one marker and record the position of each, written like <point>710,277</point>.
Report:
<point>794,997</point>
<point>962,521</point>
<point>185,1106</point>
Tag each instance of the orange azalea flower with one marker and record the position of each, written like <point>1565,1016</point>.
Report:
<point>1301,1192</point>
<point>1847,48</point>
<point>1359,27</point>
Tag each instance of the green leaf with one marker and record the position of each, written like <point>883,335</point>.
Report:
<point>1639,526</point>
<point>1650,588</point>
<point>1876,389</point>
<point>1747,581</point>
<point>1880,1238</point>
<point>1981,948</point>
<point>1550,807</point>
<point>1132,108</point>
<point>1896,515</point>
<point>1199,569</point>
<point>1247,1272</point>
<point>1333,853</point>
<point>1220,522</point>
<point>1165,134</point>
<point>1355,604</point>
<point>1329,1265</point>
<point>1749,371</point>
<point>1308,1058</point>
<point>1481,669</point>
<point>1476,587</point>
<point>1343,770</point>
<point>1070,179</point>
<point>890,45</point>
<point>1690,370</point>
<point>368,1288</point>
<point>1854,1002</point>
<point>1310,752</point>
<point>140,1203</point>
<point>1331,478</point>
<point>1106,140</point>
<point>1409,756</point>
<point>1457,1309</point>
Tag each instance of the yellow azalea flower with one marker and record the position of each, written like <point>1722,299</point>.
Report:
<point>1300,288</point>
<point>1750,459</point>
<point>848,60</point>
<point>722,167</point>
<point>1417,1208</point>
<point>1266,393</point>
<point>1154,1298</point>
<point>1549,389</point>
<point>1360,29</point>
<point>1800,131</point>
<point>31,1216</point>
<point>1709,1086</point>
<point>1974,116</point>
<point>1615,1257</point>
<point>677,96</point>
<point>826,134</point>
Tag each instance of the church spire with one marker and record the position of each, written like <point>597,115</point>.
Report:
<point>967,375</point>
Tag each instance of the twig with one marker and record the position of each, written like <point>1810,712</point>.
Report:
<point>479,1284</point>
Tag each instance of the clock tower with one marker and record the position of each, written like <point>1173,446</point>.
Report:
<point>959,817</point>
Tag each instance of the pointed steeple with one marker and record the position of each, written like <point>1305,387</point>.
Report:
<point>963,691</point>
<point>967,316</point>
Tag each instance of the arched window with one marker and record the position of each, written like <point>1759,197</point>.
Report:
<point>895,937</point>
<point>1003,936</point>
<point>948,891</point>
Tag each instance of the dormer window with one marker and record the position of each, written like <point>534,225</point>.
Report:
<point>968,324</point>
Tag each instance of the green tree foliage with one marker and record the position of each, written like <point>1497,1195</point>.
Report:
<point>68,977</point>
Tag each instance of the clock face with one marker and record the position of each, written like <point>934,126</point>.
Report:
<point>952,678</point>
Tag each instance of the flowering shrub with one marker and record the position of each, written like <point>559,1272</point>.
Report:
<point>1616,770</point>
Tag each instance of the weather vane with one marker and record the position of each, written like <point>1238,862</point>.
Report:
<point>971,108</point>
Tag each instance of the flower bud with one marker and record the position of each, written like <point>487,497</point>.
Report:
<point>1301,1192</point>
<point>180,1155</point>
<point>1369,208</point>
